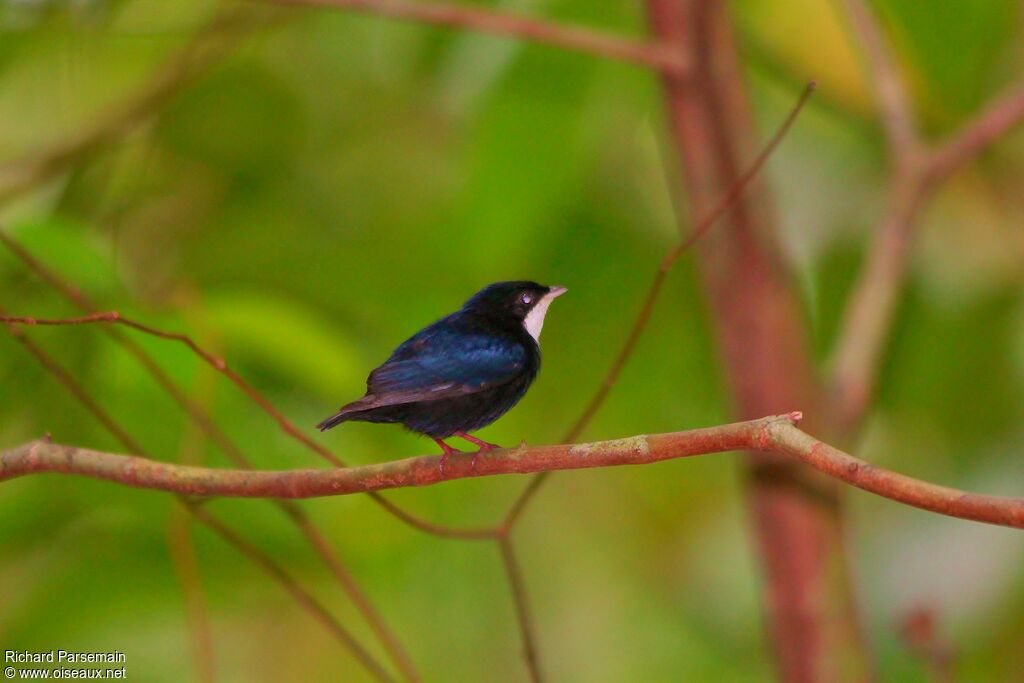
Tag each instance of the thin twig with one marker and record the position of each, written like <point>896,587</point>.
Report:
<point>527,631</point>
<point>288,582</point>
<point>387,637</point>
<point>182,548</point>
<point>647,307</point>
<point>650,298</point>
<point>304,599</point>
<point>186,564</point>
<point>777,434</point>
<point>1001,116</point>
<point>76,389</point>
<point>499,23</point>
<point>205,422</point>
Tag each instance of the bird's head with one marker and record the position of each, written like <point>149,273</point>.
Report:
<point>519,301</point>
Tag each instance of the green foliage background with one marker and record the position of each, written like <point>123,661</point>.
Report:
<point>338,182</point>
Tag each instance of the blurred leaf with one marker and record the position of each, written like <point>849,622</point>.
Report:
<point>953,47</point>
<point>66,246</point>
<point>272,334</point>
<point>811,40</point>
<point>241,117</point>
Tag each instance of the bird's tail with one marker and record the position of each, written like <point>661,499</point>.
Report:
<point>334,420</point>
<point>346,412</point>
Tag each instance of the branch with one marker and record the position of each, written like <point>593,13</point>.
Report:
<point>598,43</point>
<point>893,99</point>
<point>796,515</point>
<point>872,305</point>
<point>777,434</point>
<point>298,593</point>
<point>260,558</point>
<point>920,632</point>
<point>202,419</point>
<point>517,585</point>
<point>197,617</point>
<point>917,170</point>
<point>1000,117</point>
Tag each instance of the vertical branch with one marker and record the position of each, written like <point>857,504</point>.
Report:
<point>186,564</point>
<point>797,522</point>
<point>920,632</point>
<point>916,168</point>
<point>890,90</point>
<point>183,552</point>
<point>872,307</point>
<point>522,605</point>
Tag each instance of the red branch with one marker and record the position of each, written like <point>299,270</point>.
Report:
<point>777,434</point>
<point>920,631</point>
<point>761,332</point>
<point>503,24</point>
<point>1000,117</point>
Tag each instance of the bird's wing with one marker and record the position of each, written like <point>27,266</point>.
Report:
<point>445,365</point>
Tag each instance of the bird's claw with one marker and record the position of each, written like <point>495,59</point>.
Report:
<point>446,452</point>
<point>482,447</point>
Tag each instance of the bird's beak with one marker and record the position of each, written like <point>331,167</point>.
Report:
<point>557,291</point>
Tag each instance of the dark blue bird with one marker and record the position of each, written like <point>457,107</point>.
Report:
<point>464,371</point>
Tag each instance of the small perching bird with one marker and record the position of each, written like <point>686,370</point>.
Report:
<point>464,371</point>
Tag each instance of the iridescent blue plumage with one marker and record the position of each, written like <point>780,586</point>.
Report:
<point>462,372</point>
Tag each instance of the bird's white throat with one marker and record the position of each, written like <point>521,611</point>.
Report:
<point>534,321</point>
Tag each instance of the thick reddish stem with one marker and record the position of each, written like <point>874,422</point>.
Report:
<point>762,340</point>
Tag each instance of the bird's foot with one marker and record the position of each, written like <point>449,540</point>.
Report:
<point>481,444</point>
<point>448,450</point>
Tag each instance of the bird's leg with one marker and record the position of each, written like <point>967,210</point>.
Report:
<point>484,446</point>
<point>448,450</point>
<point>481,444</point>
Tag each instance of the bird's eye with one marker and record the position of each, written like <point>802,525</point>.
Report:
<point>525,299</point>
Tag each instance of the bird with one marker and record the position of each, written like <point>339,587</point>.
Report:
<point>461,373</point>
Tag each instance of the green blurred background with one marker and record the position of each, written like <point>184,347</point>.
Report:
<point>337,181</point>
